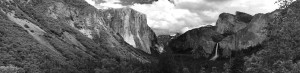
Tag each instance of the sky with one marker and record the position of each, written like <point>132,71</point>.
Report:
<point>179,16</point>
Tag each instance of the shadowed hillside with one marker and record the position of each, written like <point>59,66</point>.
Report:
<point>71,36</point>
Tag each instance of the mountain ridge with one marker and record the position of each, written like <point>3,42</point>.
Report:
<point>74,37</point>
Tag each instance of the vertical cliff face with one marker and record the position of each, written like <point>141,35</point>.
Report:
<point>233,38</point>
<point>253,34</point>
<point>229,23</point>
<point>72,35</point>
<point>200,42</point>
<point>106,25</point>
<point>132,26</point>
<point>232,32</point>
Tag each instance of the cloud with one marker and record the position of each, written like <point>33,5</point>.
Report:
<point>250,6</point>
<point>105,4</point>
<point>165,17</point>
<point>91,2</point>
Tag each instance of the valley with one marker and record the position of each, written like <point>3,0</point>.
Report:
<point>72,36</point>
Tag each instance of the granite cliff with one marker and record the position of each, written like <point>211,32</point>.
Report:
<point>234,37</point>
<point>199,42</point>
<point>232,32</point>
<point>229,23</point>
<point>73,36</point>
<point>132,26</point>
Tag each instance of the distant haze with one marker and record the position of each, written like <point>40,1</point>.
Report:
<point>179,16</point>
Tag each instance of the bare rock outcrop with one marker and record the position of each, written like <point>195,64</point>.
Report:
<point>228,23</point>
<point>132,26</point>
<point>252,35</point>
<point>200,41</point>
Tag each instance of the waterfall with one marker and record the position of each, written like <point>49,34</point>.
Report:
<point>216,53</point>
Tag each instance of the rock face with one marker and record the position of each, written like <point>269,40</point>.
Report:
<point>263,41</point>
<point>255,33</point>
<point>232,32</point>
<point>252,35</point>
<point>132,26</point>
<point>229,24</point>
<point>164,39</point>
<point>242,30</point>
<point>126,23</point>
<point>72,36</point>
<point>200,41</point>
<point>227,43</point>
<point>243,17</point>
